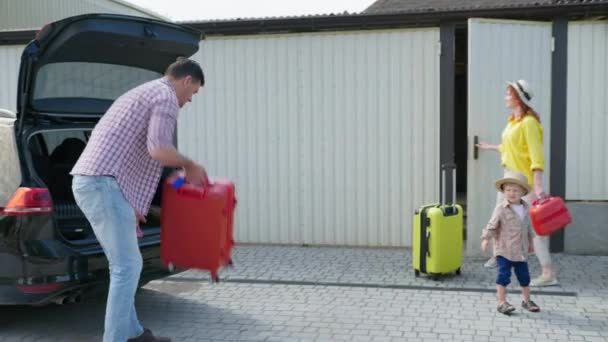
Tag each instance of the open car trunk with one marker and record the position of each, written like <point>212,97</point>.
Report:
<point>76,67</point>
<point>54,153</point>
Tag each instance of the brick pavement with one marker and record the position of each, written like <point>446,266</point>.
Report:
<point>361,295</point>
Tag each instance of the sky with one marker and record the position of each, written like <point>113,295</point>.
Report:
<point>190,10</point>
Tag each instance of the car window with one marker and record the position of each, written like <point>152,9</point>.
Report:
<point>58,83</point>
<point>53,139</point>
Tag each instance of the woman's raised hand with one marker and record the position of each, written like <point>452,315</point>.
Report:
<point>485,146</point>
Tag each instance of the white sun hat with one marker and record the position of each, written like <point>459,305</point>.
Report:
<point>523,91</point>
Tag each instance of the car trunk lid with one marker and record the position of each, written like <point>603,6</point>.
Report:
<point>76,67</point>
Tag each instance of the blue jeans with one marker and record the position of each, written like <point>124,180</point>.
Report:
<point>113,221</point>
<point>504,271</point>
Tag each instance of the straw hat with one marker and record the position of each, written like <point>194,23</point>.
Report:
<point>512,177</point>
<point>523,90</point>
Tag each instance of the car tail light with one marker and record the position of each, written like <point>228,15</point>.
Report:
<point>39,288</point>
<point>27,201</point>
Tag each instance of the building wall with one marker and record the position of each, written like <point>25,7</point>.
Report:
<point>587,158</point>
<point>331,138</point>
<point>10,58</point>
<point>587,234</point>
<point>587,124</point>
<point>33,14</point>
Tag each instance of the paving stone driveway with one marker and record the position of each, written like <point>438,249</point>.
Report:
<point>331,294</point>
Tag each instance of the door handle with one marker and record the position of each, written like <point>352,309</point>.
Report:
<point>475,148</point>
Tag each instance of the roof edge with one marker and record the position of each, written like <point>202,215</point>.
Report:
<point>17,37</point>
<point>138,8</point>
<point>489,6</point>
<point>360,21</point>
<point>386,21</point>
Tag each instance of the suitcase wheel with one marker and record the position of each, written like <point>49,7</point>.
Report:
<point>416,273</point>
<point>214,277</point>
<point>458,271</point>
<point>230,264</point>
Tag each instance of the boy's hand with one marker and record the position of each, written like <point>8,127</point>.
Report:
<point>484,245</point>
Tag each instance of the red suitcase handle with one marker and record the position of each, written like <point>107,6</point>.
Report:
<point>538,201</point>
<point>191,190</point>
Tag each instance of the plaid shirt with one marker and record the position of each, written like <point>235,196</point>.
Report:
<point>511,234</point>
<point>137,122</point>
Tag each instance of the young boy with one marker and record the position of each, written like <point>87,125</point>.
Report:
<point>512,232</point>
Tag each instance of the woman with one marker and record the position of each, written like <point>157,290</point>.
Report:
<point>522,150</point>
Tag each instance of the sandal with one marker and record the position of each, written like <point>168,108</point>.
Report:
<point>530,306</point>
<point>506,308</point>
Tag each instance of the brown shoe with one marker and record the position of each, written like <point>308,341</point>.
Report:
<point>505,308</point>
<point>148,337</point>
<point>530,306</point>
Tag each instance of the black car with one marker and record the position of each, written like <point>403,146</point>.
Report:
<point>69,76</point>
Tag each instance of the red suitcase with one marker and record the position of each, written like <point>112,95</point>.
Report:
<point>549,216</point>
<point>196,225</point>
<point>231,191</point>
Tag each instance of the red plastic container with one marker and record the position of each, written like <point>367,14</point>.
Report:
<point>230,189</point>
<point>549,216</point>
<point>196,225</point>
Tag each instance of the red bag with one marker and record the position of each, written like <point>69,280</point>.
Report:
<point>549,215</point>
<point>196,225</point>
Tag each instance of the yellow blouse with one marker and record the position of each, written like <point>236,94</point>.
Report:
<point>522,146</point>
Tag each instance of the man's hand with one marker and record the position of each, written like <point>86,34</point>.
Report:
<point>531,247</point>
<point>196,174</point>
<point>139,218</point>
<point>484,245</point>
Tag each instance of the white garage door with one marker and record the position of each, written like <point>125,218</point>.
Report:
<point>331,138</point>
<point>500,51</point>
<point>587,115</point>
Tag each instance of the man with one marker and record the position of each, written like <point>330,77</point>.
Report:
<point>116,177</point>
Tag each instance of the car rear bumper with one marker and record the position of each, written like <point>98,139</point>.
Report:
<point>63,277</point>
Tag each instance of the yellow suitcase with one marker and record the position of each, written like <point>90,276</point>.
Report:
<point>438,235</point>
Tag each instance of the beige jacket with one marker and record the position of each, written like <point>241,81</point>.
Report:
<point>511,234</point>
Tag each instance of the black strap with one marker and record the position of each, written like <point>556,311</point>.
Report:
<point>424,242</point>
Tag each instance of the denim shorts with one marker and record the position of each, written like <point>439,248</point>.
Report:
<point>504,271</point>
